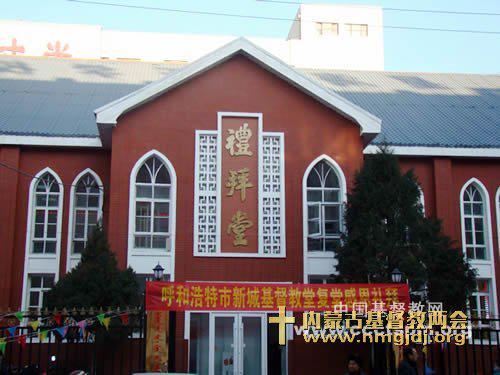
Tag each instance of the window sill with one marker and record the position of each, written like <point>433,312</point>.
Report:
<point>159,252</point>
<point>321,254</point>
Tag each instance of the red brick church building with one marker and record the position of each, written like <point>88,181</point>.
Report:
<point>147,148</point>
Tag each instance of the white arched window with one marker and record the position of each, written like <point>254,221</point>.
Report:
<point>152,227</point>
<point>474,223</point>
<point>46,215</point>
<point>86,205</point>
<point>324,192</point>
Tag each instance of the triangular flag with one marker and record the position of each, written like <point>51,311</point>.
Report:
<point>82,324</point>
<point>125,319</point>
<point>105,322</point>
<point>34,324</point>
<point>57,318</point>
<point>42,335</point>
<point>19,315</point>
<point>22,340</point>
<point>12,331</point>
<point>3,345</point>
<point>62,331</point>
<point>100,317</point>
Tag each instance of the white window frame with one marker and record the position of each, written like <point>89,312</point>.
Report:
<point>485,268</point>
<point>320,258</point>
<point>71,257</point>
<point>40,289</point>
<point>142,260</point>
<point>486,230</point>
<point>41,263</point>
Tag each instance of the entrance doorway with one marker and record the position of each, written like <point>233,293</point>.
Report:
<point>227,343</point>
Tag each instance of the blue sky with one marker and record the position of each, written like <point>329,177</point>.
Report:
<point>405,50</point>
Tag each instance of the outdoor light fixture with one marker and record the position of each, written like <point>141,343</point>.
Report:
<point>396,275</point>
<point>158,272</point>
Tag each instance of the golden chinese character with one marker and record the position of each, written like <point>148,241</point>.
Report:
<point>311,319</point>
<point>416,319</point>
<point>238,180</point>
<point>395,320</point>
<point>196,296</point>
<point>239,224</point>
<point>239,297</point>
<point>322,297</point>
<point>267,297</point>
<point>458,320</point>
<point>167,294</point>
<point>239,139</point>
<point>280,294</point>
<point>333,320</point>
<point>295,298</point>
<point>253,297</point>
<point>182,294</point>
<point>308,294</point>
<point>225,297</point>
<point>210,296</point>
<point>437,318</point>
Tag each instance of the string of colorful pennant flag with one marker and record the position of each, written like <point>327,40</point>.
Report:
<point>104,319</point>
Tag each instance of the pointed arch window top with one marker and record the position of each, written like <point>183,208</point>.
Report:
<point>153,171</point>
<point>47,184</point>
<point>323,176</point>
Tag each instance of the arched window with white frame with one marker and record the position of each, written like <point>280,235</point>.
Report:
<point>86,209</point>
<point>325,195</point>
<point>46,215</point>
<point>475,222</point>
<point>152,205</point>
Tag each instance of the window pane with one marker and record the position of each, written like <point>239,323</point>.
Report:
<point>332,228</point>
<point>143,191</point>
<point>143,175</point>
<point>468,237</point>
<point>478,208</point>
<point>162,192</point>
<point>38,247</point>
<point>313,211</point>
<point>332,196</point>
<point>313,179</point>
<point>480,253</point>
<point>142,224</point>
<point>36,281</point>
<point>81,200</point>
<point>330,245</point>
<point>482,286</point>
<point>314,280</point>
<point>39,230</point>
<point>50,247</point>
<point>470,253</point>
<point>313,227</point>
<point>314,244</point>
<point>162,177</point>
<point>159,242</point>
<point>41,200</point>
<point>79,230</point>
<point>478,224</point>
<point>93,201</point>
<point>52,216</point>
<point>314,196</point>
<point>332,212</point>
<point>34,299</point>
<point>161,225</point>
<point>479,238</point>
<point>51,231</point>
<point>92,217</point>
<point>143,209</point>
<point>78,246</point>
<point>40,216</point>
<point>468,224</point>
<point>467,208</point>
<point>143,241</point>
<point>161,209</point>
<point>331,178</point>
<point>48,281</point>
<point>53,200</point>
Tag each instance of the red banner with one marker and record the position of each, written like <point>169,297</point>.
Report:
<point>263,297</point>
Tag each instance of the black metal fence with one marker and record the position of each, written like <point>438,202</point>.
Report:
<point>117,349</point>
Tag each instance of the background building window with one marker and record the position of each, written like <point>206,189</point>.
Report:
<point>327,28</point>
<point>319,279</point>
<point>474,223</point>
<point>324,208</point>
<point>152,205</point>
<point>38,286</point>
<point>47,195</point>
<point>87,211</point>
<point>355,29</point>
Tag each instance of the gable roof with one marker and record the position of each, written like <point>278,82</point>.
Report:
<point>50,102</point>
<point>108,114</point>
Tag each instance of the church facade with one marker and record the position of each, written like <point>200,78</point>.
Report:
<point>233,168</point>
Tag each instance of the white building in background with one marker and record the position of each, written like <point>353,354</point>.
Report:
<point>323,36</point>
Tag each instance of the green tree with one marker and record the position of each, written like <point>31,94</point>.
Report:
<point>96,281</point>
<point>386,229</point>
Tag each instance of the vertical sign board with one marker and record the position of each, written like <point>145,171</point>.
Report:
<point>157,341</point>
<point>239,184</point>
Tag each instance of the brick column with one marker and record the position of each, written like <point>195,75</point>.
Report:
<point>443,190</point>
<point>8,200</point>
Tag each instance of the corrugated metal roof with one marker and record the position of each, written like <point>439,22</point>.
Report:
<point>52,97</point>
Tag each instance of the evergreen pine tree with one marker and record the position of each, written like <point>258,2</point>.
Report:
<point>386,229</point>
<point>96,281</point>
